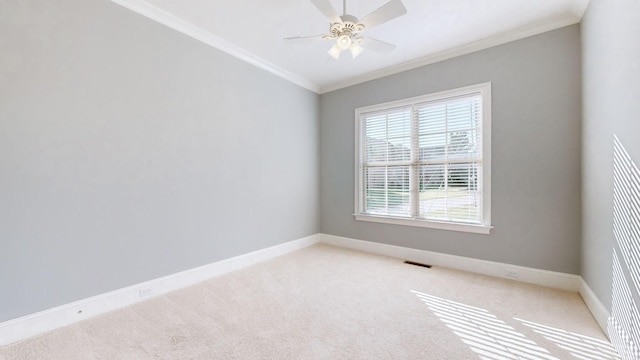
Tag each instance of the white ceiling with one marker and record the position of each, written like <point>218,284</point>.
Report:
<point>432,30</point>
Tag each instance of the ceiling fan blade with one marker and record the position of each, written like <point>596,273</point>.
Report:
<point>386,12</point>
<point>327,9</point>
<point>304,39</point>
<point>377,45</point>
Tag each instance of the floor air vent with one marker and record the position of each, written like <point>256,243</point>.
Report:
<point>417,264</point>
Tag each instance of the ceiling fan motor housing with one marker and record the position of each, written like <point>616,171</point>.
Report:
<point>349,26</point>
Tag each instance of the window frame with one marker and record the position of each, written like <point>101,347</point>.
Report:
<point>484,89</point>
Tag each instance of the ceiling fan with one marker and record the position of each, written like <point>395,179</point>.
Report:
<point>346,29</point>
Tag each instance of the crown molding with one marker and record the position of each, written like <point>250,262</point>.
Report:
<point>573,16</point>
<point>176,23</point>
<point>517,34</point>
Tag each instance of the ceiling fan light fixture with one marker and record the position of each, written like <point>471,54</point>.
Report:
<point>335,51</point>
<point>344,42</point>
<point>355,50</point>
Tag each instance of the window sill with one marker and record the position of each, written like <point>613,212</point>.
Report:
<point>471,228</point>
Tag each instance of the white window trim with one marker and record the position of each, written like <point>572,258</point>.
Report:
<point>485,227</point>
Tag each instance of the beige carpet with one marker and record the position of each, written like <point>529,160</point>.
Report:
<point>324,302</point>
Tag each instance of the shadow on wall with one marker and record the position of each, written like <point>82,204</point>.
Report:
<point>624,323</point>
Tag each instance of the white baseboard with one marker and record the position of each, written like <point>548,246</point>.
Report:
<point>40,322</point>
<point>598,310</point>
<point>530,275</point>
<point>520,273</point>
<point>33,324</point>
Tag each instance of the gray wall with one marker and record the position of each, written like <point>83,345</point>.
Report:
<point>129,151</point>
<point>535,152</point>
<point>611,106</point>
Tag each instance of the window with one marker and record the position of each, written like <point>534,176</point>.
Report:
<point>425,161</point>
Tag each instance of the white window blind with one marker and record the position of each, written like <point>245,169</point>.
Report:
<point>423,158</point>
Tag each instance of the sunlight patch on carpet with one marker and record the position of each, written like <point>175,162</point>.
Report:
<point>485,334</point>
<point>580,346</point>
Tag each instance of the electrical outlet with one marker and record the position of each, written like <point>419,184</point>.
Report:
<point>511,273</point>
<point>145,291</point>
